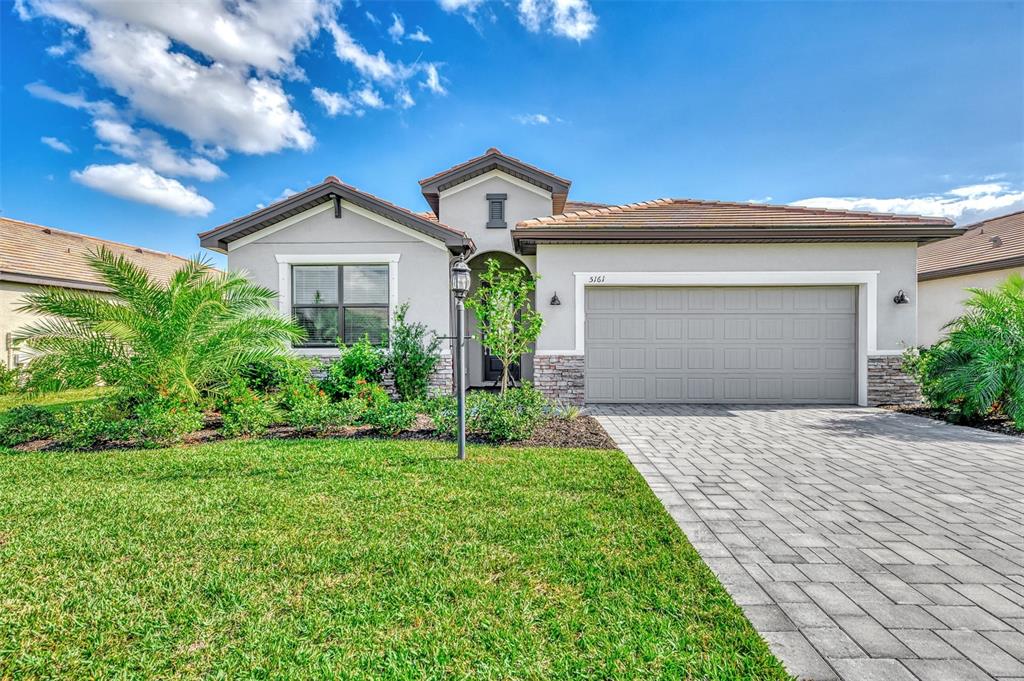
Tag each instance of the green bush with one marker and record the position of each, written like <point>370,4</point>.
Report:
<point>444,411</point>
<point>390,418</point>
<point>83,426</point>
<point>243,411</point>
<point>274,373</point>
<point>413,356</point>
<point>165,421</point>
<point>25,424</point>
<point>979,367</point>
<point>498,417</point>
<point>10,380</point>
<point>358,364</point>
<point>313,411</point>
<point>48,373</point>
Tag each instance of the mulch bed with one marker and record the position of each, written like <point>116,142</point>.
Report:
<point>994,424</point>
<point>583,432</point>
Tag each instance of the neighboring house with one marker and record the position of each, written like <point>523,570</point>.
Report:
<point>34,255</point>
<point>672,300</point>
<point>985,254</point>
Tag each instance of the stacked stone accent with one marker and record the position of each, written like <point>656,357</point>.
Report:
<point>559,377</point>
<point>888,384</point>
<point>442,381</point>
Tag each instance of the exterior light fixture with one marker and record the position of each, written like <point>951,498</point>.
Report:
<point>460,280</point>
<point>900,298</point>
<point>555,300</point>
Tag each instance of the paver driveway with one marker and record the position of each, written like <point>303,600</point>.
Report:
<point>862,544</point>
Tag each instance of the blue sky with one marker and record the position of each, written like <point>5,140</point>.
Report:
<point>147,123</point>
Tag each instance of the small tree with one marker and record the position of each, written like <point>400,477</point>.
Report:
<point>502,307</point>
<point>413,356</point>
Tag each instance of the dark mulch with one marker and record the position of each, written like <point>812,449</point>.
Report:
<point>583,432</point>
<point>996,423</point>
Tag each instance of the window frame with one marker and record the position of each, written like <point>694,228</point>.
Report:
<point>341,305</point>
<point>500,200</point>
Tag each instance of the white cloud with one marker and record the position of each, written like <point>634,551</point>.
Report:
<point>419,36</point>
<point>962,204</point>
<point>55,144</point>
<point>288,191</point>
<point>433,80</point>
<point>369,97</point>
<point>334,103</point>
<point>221,103</point>
<point>573,19</point>
<point>405,100</point>
<point>138,183</point>
<point>75,100</point>
<point>152,149</point>
<point>60,49</point>
<point>460,5</point>
<point>397,29</point>
<point>533,119</point>
<point>372,66</point>
<point>373,18</point>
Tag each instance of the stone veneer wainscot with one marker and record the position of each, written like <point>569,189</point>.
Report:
<point>560,377</point>
<point>889,384</point>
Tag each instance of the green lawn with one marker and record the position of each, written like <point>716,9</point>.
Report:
<point>354,559</point>
<point>56,399</point>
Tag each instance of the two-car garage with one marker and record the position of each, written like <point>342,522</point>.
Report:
<point>728,344</point>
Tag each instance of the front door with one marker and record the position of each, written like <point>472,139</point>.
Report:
<point>492,368</point>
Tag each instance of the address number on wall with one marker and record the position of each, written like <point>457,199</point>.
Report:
<point>596,279</point>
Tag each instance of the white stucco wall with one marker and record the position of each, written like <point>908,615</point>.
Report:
<point>422,265</point>
<point>941,300</point>
<point>11,321</point>
<point>896,264</point>
<point>464,207</point>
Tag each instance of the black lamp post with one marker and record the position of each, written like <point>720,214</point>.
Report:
<point>460,287</point>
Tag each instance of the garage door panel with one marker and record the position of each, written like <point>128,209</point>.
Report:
<point>721,344</point>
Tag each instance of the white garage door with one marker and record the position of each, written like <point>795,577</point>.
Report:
<point>780,344</point>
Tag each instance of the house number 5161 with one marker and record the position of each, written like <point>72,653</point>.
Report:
<point>596,279</point>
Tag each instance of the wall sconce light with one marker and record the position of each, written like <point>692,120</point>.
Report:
<point>900,298</point>
<point>555,300</point>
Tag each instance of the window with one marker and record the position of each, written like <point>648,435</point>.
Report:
<point>496,210</point>
<point>341,301</point>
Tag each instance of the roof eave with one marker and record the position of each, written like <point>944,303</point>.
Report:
<point>973,268</point>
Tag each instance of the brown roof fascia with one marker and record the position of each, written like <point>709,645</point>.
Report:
<point>973,268</point>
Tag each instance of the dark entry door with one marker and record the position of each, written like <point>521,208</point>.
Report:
<point>492,368</point>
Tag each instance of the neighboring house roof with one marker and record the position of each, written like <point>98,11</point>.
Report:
<point>493,159</point>
<point>694,221</point>
<point>993,244</point>
<point>576,206</point>
<point>44,256</point>
<point>331,188</point>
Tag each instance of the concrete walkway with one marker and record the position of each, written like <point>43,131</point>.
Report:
<point>862,544</point>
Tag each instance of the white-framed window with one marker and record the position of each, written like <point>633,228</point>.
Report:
<point>339,296</point>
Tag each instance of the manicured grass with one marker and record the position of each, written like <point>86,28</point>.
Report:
<point>56,400</point>
<point>354,559</point>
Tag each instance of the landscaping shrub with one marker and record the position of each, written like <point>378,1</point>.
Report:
<point>444,411</point>
<point>183,338</point>
<point>413,356</point>
<point>372,394</point>
<point>498,417</point>
<point>979,367</point>
<point>83,426</point>
<point>390,418</point>
<point>165,421</point>
<point>359,363</point>
<point>10,380</point>
<point>25,424</point>
<point>310,409</point>
<point>48,373</point>
<point>274,373</point>
<point>244,412</point>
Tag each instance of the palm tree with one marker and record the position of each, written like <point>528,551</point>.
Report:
<point>183,338</point>
<point>980,365</point>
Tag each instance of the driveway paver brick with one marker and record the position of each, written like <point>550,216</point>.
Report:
<point>861,543</point>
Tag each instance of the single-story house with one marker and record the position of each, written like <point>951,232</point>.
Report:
<point>34,255</point>
<point>671,300</point>
<point>985,254</point>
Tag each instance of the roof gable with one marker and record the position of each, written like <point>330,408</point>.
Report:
<point>994,244</point>
<point>493,159</point>
<point>330,189</point>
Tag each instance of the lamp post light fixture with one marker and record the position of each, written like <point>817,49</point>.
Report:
<point>460,277</point>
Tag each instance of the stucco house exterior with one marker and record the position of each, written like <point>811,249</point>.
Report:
<point>984,255</point>
<point>670,300</point>
<point>35,255</point>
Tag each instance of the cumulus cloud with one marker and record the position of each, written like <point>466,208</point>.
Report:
<point>533,119</point>
<point>573,19</point>
<point>288,191</point>
<point>432,81</point>
<point>334,103</point>
<point>149,147</point>
<point>397,28</point>
<point>138,183</point>
<point>55,144</point>
<point>419,36</point>
<point>369,97</point>
<point>74,100</point>
<point>964,205</point>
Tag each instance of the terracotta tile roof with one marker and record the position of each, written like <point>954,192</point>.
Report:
<point>493,151</point>
<point>37,254</point>
<point>576,206</point>
<point>993,244</point>
<point>693,213</point>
